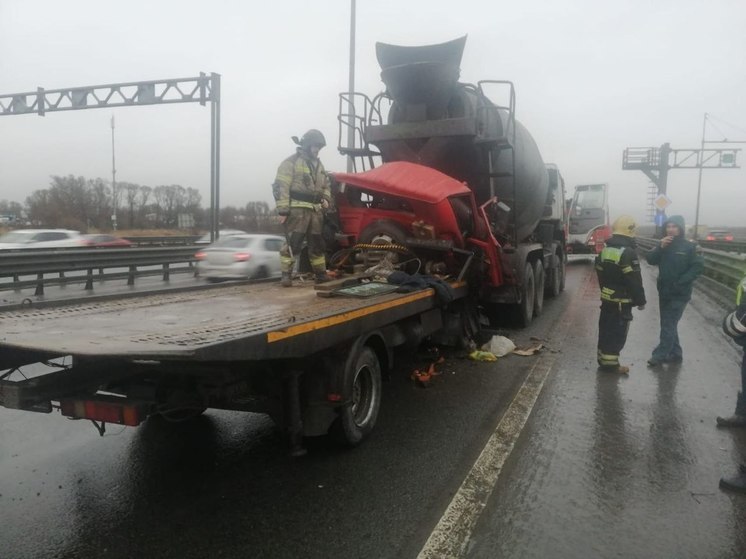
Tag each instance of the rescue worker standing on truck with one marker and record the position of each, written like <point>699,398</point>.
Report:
<point>678,266</point>
<point>302,193</point>
<point>619,278</point>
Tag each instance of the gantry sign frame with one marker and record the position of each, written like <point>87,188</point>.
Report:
<point>201,89</point>
<point>656,162</point>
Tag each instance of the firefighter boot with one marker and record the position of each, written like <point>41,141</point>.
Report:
<point>735,483</point>
<point>321,277</point>
<point>287,280</point>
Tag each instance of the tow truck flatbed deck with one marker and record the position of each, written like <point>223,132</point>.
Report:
<point>227,323</point>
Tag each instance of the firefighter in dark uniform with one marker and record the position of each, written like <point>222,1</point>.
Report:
<point>619,278</point>
<point>302,192</point>
<point>734,326</point>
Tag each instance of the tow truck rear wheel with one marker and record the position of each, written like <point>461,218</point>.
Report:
<point>363,392</point>
<point>539,289</point>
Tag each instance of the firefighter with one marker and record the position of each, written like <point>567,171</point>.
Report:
<point>734,326</point>
<point>302,193</point>
<point>619,278</point>
<point>678,266</point>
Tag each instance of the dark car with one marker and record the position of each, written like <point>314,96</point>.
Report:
<point>719,235</point>
<point>105,241</point>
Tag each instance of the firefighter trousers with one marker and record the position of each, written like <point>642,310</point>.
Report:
<point>303,224</point>
<point>741,402</point>
<point>613,325</point>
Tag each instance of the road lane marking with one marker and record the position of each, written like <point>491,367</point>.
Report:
<point>453,532</point>
<point>450,537</point>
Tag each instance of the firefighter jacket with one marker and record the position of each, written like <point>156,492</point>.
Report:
<point>678,265</point>
<point>618,270</point>
<point>734,324</point>
<point>300,183</point>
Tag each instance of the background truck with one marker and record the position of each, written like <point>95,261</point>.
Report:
<point>589,226</point>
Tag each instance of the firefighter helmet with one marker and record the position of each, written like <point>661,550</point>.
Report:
<point>624,225</point>
<point>313,138</point>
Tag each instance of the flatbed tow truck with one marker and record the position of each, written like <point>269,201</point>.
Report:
<point>314,364</point>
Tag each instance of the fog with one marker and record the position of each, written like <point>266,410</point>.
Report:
<point>592,78</point>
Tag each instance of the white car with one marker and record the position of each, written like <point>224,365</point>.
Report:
<point>205,239</point>
<point>40,238</point>
<point>241,256</point>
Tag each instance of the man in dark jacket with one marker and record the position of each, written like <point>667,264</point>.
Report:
<point>618,270</point>
<point>734,326</point>
<point>678,266</point>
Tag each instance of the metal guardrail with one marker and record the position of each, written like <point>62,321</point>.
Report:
<point>725,268</point>
<point>163,241</point>
<point>51,266</point>
<point>738,247</point>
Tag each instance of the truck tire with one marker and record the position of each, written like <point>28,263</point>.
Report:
<point>383,231</point>
<point>555,282</point>
<point>539,277</point>
<point>525,309</point>
<point>363,389</point>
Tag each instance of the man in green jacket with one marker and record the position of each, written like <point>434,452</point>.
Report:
<point>678,266</point>
<point>302,192</point>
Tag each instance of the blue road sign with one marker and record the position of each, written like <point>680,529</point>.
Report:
<point>660,219</point>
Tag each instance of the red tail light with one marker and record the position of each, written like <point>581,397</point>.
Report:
<point>729,237</point>
<point>122,413</point>
<point>200,255</point>
<point>242,256</point>
<point>710,238</point>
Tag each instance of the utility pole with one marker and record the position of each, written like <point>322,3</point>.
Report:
<point>699,181</point>
<point>351,89</point>
<point>113,178</point>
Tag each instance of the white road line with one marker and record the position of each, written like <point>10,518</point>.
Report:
<point>451,535</point>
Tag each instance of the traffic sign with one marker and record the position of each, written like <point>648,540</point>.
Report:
<point>662,202</point>
<point>660,219</point>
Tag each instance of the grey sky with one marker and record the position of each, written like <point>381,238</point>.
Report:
<point>592,78</point>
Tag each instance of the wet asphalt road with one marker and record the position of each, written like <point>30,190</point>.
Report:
<point>626,467</point>
<point>606,466</point>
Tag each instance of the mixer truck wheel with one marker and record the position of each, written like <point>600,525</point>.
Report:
<point>539,277</point>
<point>383,232</point>
<point>525,309</point>
<point>555,282</point>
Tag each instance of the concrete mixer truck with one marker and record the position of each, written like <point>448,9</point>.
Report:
<point>500,220</point>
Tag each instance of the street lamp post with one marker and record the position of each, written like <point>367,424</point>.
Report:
<point>113,178</point>
<point>351,88</point>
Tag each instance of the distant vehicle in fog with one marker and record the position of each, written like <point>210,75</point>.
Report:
<point>40,238</point>
<point>719,235</point>
<point>104,241</point>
